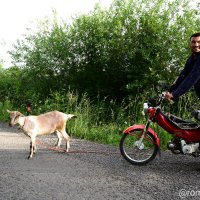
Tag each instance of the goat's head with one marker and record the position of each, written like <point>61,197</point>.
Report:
<point>14,117</point>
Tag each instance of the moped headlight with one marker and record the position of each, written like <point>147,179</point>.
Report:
<point>145,108</point>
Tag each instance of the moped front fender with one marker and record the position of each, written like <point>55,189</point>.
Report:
<point>142,127</point>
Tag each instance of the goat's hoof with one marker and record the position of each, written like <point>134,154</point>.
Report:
<point>67,150</point>
<point>30,157</point>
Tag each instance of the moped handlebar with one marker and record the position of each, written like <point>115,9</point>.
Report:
<point>157,101</point>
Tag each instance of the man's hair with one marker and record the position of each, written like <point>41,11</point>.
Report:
<point>195,35</point>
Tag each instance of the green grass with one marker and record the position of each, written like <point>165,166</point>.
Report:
<point>3,110</point>
<point>101,121</point>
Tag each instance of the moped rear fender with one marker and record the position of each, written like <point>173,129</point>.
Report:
<point>141,127</point>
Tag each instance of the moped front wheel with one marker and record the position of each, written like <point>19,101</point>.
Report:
<point>136,150</point>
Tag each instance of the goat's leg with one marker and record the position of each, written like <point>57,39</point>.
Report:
<point>31,151</point>
<point>32,148</point>
<point>67,139</point>
<point>59,138</point>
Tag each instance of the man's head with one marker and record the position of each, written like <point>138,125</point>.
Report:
<point>195,42</point>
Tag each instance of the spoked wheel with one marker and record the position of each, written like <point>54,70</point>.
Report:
<point>136,151</point>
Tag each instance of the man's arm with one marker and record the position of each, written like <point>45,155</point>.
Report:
<point>189,81</point>
<point>181,76</point>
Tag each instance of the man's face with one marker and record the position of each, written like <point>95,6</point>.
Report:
<point>195,44</point>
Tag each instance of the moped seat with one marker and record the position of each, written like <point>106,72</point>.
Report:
<point>182,123</point>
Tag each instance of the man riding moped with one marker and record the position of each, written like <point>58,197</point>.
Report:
<point>140,143</point>
<point>190,75</point>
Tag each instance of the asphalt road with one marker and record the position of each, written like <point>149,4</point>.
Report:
<point>55,175</point>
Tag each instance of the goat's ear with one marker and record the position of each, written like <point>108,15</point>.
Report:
<point>20,114</point>
<point>8,111</point>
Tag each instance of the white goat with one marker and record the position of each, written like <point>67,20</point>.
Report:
<point>47,123</point>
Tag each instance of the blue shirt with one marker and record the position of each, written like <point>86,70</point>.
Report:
<point>189,77</point>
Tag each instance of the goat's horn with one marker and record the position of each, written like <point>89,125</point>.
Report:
<point>8,111</point>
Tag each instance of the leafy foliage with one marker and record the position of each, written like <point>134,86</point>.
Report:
<point>112,53</point>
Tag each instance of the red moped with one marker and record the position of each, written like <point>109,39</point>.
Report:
<point>140,143</point>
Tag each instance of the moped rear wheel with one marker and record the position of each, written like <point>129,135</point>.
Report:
<point>136,151</point>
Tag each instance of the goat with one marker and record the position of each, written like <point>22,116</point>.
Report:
<point>43,124</point>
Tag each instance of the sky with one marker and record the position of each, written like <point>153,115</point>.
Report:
<point>18,15</point>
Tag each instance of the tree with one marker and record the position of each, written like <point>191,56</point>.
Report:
<point>113,53</point>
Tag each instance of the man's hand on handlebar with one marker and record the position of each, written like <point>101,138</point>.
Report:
<point>168,96</point>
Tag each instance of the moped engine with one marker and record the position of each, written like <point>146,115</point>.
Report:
<point>178,146</point>
<point>175,146</point>
<point>189,148</point>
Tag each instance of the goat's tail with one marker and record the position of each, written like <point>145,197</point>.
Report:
<point>70,116</point>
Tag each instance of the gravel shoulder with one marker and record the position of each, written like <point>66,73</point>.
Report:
<point>60,176</point>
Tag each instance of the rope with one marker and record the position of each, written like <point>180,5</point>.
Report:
<point>62,150</point>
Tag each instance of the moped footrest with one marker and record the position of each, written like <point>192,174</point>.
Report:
<point>196,154</point>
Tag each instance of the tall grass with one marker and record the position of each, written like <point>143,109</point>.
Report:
<point>102,121</point>
<point>3,110</point>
